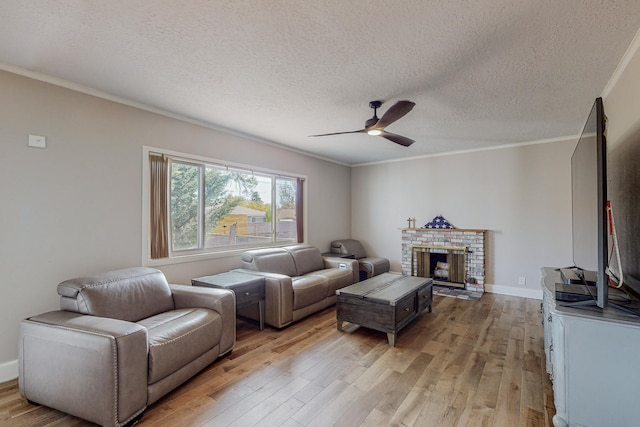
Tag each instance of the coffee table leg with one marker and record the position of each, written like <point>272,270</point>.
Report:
<point>391,336</point>
<point>339,324</point>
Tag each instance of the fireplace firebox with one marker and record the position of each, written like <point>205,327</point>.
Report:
<point>446,265</point>
<point>474,256</point>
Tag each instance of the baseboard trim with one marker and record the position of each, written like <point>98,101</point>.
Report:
<point>508,290</point>
<point>513,291</point>
<point>8,371</point>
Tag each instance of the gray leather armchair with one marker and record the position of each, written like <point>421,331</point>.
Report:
<point>122,340</point>
<point>370,266</point>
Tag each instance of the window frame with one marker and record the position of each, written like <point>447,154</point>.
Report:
<point>182,256</point>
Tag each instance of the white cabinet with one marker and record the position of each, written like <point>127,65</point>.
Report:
<point>593,358</point>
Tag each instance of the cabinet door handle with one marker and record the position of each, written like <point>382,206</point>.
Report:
<point>407,309</point>
<point>247,293</point>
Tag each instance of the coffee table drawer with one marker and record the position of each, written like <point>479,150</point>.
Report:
<point>405,310</point>
<point>424,298</point>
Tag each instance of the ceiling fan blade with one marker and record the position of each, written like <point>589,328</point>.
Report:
<point>397,111</point>
<point>341,133</point>
<point>398,139</point>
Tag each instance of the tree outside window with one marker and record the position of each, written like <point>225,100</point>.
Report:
<point>214,207</point>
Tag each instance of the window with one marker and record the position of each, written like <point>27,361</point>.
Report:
<point>211,208</point>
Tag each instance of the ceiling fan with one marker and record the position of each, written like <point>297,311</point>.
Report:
<point>375,126</point>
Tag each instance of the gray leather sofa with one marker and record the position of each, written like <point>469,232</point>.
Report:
<point>299,281</point>
<point>370,266</point>
<point>122,340</point>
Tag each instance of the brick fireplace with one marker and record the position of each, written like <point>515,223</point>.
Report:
<point>453,257</point>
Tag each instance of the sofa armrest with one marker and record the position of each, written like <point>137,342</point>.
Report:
<point>222,301</point>
<point>278,297</point>
<point>88,366</point>
<point>351,264</point>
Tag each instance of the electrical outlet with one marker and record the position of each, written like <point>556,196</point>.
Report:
<point>522,280</point>
<point>37,141</point>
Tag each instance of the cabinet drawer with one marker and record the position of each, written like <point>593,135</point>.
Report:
<point>405,309</point>
<point>424,298</point>
<point>248,294</point>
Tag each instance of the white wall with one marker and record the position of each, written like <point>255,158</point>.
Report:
<point>75,207</point>
<point>521,195</point>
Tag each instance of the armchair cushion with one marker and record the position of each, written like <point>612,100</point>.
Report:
<point>178,337</point>
<point>374,266</point>
<point>370,266</point>
<point>348,247</point>
<point>129,294</point>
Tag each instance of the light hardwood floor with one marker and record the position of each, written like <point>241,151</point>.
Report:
<point>468,363</point>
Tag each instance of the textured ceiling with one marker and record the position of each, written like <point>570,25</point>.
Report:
<point>482,73</point>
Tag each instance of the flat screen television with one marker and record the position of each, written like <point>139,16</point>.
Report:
<point>590,220</point>
<point>589,205</point>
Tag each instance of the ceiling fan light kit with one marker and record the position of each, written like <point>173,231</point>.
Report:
<point>375,126</point>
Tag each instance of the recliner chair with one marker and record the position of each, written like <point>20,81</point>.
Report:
<point>369,266</point>
<point>121,341</point>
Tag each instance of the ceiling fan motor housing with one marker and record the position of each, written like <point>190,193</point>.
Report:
<point>373,120</point>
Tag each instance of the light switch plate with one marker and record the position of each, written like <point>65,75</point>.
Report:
<point>37,141</point>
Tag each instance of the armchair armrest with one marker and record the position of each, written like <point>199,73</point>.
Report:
<point>222,301</point>
<point>352,264</point>
<point>278,297</point>
<point>74,362</point>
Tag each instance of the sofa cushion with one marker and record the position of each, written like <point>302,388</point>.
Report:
<point>308,290</point>
<point>129,294</point>
<point>178,337</point>
<point>306,258</point>
<point>336,278</point>
<point>269,260</point>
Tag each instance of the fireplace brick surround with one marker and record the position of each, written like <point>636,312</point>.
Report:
<point>473,240</point>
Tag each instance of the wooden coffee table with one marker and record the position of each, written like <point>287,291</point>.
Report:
<point>386,303</point>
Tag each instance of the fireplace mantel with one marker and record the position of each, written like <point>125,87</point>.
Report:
<point>473,239</point>
<point>471,230</point>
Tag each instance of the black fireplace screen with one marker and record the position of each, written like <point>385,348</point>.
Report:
<point>445,265</point>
